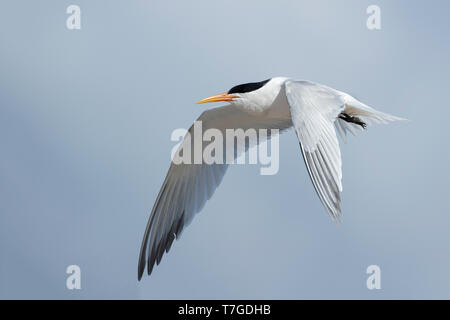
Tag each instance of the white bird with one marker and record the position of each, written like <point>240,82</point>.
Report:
<point>315,111</point>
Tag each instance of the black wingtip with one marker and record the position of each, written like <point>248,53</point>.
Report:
<point>140,271</point>
<point>149,268</point>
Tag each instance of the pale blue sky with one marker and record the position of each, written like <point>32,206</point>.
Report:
<point>85,124</point>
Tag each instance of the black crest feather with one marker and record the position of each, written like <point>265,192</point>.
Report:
<point>248,87</point>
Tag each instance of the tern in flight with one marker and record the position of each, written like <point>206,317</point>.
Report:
<point>316,112</point>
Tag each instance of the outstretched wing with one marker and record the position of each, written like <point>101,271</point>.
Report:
<point>188,186</point>
<point>314,109</point>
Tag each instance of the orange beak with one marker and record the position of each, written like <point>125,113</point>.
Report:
<point>218,97</point>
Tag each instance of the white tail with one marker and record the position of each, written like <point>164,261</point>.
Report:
<point>367,114</point>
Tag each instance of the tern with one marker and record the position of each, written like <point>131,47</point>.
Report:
<point>317,113</point>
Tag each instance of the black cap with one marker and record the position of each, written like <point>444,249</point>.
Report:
<point>248,87</point>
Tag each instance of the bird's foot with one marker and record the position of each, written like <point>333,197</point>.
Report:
<point>344,116</point>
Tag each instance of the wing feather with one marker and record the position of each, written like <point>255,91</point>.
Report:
<point>187,187</point>
<point>314,109</point>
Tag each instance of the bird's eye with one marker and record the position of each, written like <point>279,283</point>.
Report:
<point>248,87</point>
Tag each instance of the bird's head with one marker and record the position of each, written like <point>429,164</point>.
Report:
<point>249,95</point>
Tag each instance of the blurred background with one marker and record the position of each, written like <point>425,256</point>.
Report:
<point>85,123</point>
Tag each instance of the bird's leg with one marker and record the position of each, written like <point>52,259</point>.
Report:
<point>344,116</point>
